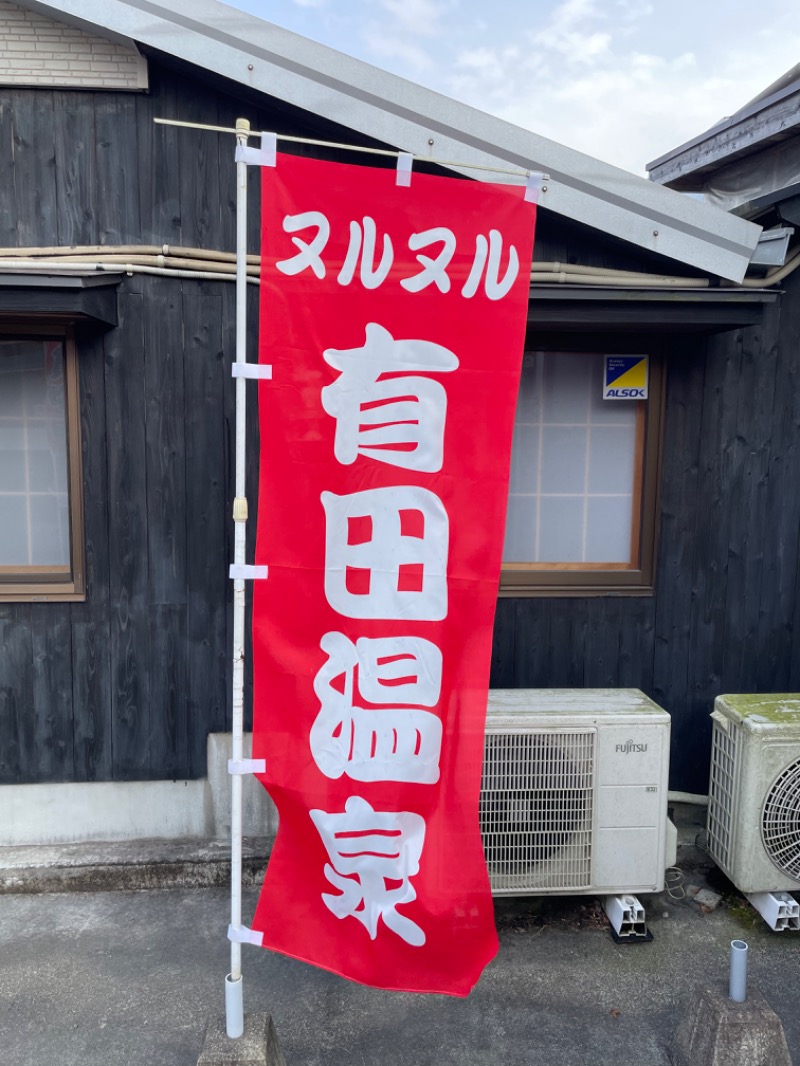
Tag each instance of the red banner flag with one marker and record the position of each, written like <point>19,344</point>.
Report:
<point>394,318</point>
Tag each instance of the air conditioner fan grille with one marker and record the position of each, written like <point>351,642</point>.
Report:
<point>780,821</point>
<point>722,794</point>
<point>536,809</point>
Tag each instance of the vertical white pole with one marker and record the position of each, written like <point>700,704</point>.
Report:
<point>234,1009</point>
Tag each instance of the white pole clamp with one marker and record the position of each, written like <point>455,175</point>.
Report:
<point>247,766</point>
<point>533,186</point>
<point>242,935</point>
<point>265,156</point>
<point>252,370</point>
<point>247,573</point>
<point>405,161</point>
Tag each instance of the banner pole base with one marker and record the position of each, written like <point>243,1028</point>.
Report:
<point>234,1007</point>
<point>257,1047</point>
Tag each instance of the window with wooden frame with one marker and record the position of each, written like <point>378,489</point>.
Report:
<point>41,512</point>
<point>584,481</point>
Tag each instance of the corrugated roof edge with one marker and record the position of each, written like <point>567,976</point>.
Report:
<point>787,85</point>
<point>406,116</point>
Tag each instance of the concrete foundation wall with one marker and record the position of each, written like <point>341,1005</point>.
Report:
<point>136,810</point>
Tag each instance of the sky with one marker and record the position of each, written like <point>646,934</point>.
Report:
<point>622,80</point>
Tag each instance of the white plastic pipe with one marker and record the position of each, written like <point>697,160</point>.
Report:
<point>94,251</point>
<point>738,977</point>
<point>234,1005</point>
<point>58,267</point>
<point>148,258</point>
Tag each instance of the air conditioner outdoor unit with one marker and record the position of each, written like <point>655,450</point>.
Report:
<point>754,793</point>
<point>574,792</point>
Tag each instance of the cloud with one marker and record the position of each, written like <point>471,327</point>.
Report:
<point>566,32</point>
<point>633,10</point>
<point>623,80</point>
<point>418,17</point>
<point>400,36</point>
<point>384,45</point>
<point>570,14</point>
<point>589,83</point>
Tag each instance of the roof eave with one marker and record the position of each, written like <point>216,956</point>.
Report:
<point>400,113</point>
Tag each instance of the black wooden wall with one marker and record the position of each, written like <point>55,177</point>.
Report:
<point>128,684</point>
<point>725,611</point>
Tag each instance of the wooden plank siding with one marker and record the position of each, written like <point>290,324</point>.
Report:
<point>76,169</point>
<point>91,630</point>
<point>17,720</point>
<point>128,684</point>
<point>116,152</point>
<point>126,406</point>
<point>34,186</point>
<point>207,522</point>
<point>777,659</point>
<point>725,614</point>
<point>8,218</point>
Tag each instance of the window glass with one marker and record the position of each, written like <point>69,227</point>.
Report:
<point>34,481</point>
<point>583,474</point>
<point>41,504</point>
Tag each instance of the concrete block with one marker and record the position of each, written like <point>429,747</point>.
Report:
<point>257,1046</point>
<point>707,900</point>
<point>718,1032</point>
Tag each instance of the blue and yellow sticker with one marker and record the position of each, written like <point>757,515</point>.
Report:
<point>625,377</point>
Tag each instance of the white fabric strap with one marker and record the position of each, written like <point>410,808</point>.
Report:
<point>405,161</point>
<point>533,186</point>
<point>265,156</point>
<point>242,935</point>
<point>247,766</point>
<point>252,370</point>
<point>269,148</point>
<point>248,573</point>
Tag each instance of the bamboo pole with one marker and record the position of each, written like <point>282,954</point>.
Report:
<point>388,152</point>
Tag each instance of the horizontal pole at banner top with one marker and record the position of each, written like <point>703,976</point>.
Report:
<point>392,154</point>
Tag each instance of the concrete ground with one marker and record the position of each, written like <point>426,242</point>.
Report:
<point>129,978</point>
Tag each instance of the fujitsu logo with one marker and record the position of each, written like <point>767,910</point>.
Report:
<point>629,746</point>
